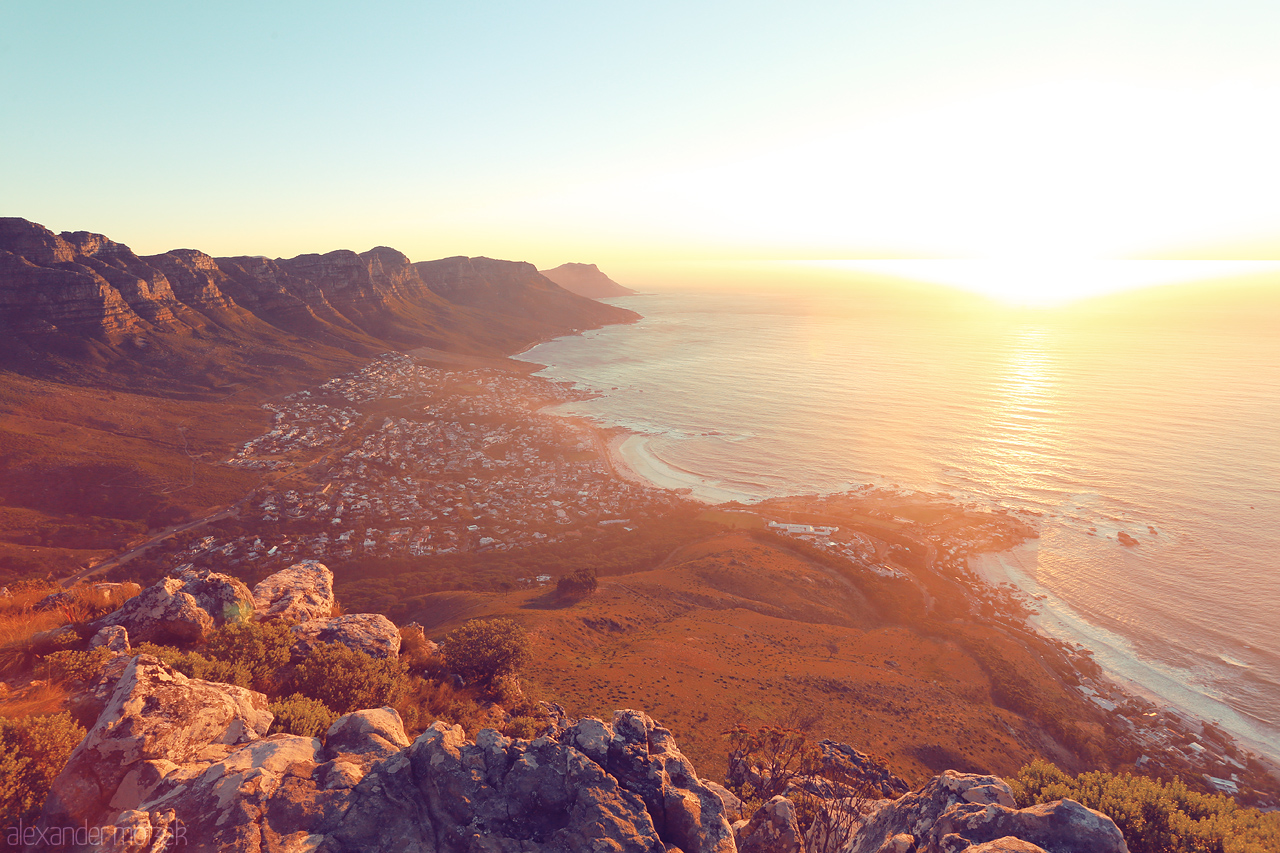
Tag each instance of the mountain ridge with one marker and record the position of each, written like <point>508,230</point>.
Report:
<point>78,299</point>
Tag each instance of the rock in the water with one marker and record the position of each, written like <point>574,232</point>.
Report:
<point>113,637</point>
<point>1126,539</point>
<point>183,609</point>
<point>772,829</point>
<point>371,633</point>
<point>299,593</point>
<point>957,810</point>
<point>156,719</point>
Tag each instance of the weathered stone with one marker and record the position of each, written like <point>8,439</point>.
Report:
<point>643,757</point>
<point>378,733</point>
<point>1008,844</point>
<point>371,633</point>
<point>113,637</point>
<point>734,809</point>
<point>957,810</point>
<point>772,829</point>
<point>156,718</point>
<point>183,609</point>
<point>299,593</point>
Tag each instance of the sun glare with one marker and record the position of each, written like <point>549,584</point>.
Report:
<point>1048,282</point>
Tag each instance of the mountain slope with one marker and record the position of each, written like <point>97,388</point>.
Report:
<point>586,280</point>
<point>82,307</point>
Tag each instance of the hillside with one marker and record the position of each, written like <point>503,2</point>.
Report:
<point>126,381</point>
<point>732,628</point>
<point>586,280</point>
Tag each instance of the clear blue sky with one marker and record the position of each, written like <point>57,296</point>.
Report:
<point>644,135</point>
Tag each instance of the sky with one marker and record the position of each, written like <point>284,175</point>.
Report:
<point>981,143</point>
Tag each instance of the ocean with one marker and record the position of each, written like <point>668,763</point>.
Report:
<point>1165,431</point>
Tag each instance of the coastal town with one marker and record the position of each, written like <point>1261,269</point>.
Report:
<point>408,459</point>
<point>413,459</point>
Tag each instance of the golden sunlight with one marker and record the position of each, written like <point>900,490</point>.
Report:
<point>1048,282</point>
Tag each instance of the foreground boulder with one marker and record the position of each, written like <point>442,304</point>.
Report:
<point>371,633</point>
<point>183,609</point>
<point>302,592</point>
<point>158,772</point>
<point>156,721</point>
<point>177,763</point>
<point>956,811</point>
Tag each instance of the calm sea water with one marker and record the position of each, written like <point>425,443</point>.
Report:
<point>1168,434</point>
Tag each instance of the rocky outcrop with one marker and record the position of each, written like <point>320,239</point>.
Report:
<point>302,592</point>
<point>772,829</point>
<point>371,633</point>
<point>172,760</point>
<point>175,761</point>
<point>957,810</point>
<point>156,722</point>
<point>586,280</point>
<point>182,609</point>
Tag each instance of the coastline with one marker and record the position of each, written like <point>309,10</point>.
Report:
<point>1052,618</point>
<point>633,457</point>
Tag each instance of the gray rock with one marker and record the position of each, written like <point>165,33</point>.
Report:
<point>378,733</point>
<point>643,757</point>
<point>371,633</point>
<point>957,810</point>
<point>183,609</point>
<point>113,637</point>
<point>299,593</point>
<point>772,829</point>
<point>734,810</point>
<point>156,719</point>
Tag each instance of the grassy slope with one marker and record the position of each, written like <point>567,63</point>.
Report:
<point>86,470</point>
<point>734,629</point>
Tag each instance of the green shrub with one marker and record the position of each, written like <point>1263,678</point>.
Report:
<point>347,680</point>
<point>260,648</point>
<point>485,650</point>
<point>1155,816</point>
<point>196,665</point>
<point>301,715</point>
<point>33,751</point>
<point>71,666</point>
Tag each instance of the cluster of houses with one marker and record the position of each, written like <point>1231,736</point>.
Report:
<point>467,462</point>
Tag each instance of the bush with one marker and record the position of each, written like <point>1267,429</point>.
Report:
<point>485,650</point>
<point>33,751</point>
<point>259,648</point>
<point>1154,816</point>
<point>301,715</point>
<point>196,665</point>
<point>347,680</point>
<point>71,666</point>
<point>578,583</point>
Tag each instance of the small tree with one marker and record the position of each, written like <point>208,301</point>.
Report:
<point>578,583</point>
<point>485,650</point>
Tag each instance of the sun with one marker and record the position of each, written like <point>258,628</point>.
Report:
<point>1051,282</point>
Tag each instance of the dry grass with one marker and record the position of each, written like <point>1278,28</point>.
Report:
<point>39,697</point>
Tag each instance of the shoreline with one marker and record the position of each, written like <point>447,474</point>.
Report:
<point>1054,619</point>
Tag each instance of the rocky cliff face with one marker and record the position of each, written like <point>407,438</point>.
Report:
<point>63,293</point>
<point>586,280</point>
<point>177,761</point>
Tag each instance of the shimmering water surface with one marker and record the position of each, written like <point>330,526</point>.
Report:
<point>1099,427</point>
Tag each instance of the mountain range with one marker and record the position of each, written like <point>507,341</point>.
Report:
<point>80,304</point>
